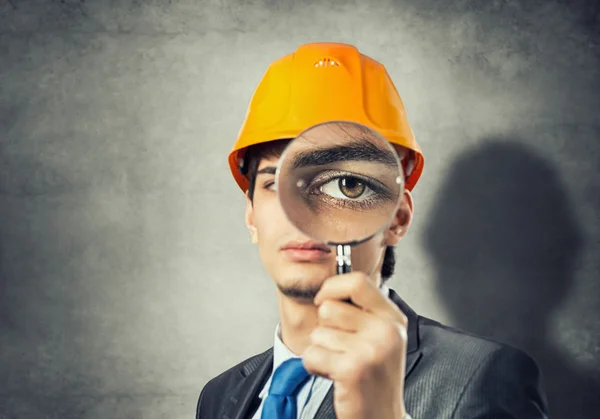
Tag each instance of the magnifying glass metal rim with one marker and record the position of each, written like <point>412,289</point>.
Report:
<point>400,180</point>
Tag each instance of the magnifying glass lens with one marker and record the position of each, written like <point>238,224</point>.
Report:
<point>339,182</point>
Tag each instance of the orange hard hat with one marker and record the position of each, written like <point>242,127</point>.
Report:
<point>323,82</point>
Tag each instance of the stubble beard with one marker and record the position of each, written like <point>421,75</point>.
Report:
<point>300,292</point>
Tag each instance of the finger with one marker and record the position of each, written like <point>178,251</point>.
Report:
<point>384,332</point>
<point>340,315</point>
<point>364,325</point>
<point>355,327</point>
<point>361,290</point>
<point>323,362</point>
<point>336,340</point>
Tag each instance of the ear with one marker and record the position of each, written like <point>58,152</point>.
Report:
<point>250,220</point>
<point>401,221</point>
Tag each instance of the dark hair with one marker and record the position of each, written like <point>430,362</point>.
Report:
<point>275,149</point>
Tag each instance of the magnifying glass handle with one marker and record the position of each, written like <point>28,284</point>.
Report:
<point>344,263</point>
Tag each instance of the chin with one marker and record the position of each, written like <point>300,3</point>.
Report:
<point>302,281</point>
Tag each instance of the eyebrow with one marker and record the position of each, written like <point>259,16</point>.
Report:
<point>269,170</point>
<point>355,151</point>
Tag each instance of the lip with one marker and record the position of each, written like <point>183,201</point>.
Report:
<point>307,245</point>
<point>306,251</point>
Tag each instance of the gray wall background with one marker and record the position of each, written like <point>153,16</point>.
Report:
<point>127,278</point>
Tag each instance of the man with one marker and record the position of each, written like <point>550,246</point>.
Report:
<point>374,358</point>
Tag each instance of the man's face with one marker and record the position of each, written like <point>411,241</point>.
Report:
<point>300,272</point>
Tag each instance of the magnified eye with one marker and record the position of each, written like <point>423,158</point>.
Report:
<point>346,187</point>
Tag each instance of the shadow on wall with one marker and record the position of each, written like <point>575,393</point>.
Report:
<point>504,242</point>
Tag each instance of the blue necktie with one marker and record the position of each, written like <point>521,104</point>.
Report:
<point>286,383</point>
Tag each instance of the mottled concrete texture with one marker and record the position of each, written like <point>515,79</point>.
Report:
<point>127,278</point>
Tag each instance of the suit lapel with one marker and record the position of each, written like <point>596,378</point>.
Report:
<point>413,354</point>
<point>254,375</point>
<point>326,410</point>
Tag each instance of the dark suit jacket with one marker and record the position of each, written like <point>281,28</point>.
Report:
<point>449,374</point>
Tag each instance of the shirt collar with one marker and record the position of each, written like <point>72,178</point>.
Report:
<point>281,352</point>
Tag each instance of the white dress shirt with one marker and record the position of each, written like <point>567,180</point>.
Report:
<point>313,392</point>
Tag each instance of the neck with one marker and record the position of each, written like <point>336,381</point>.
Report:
<point>297,321</point>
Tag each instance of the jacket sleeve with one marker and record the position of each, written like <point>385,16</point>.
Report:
<point>198,406</point>
<point>506,385</point>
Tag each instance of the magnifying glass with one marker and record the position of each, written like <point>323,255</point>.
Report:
<point>340,183</point>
